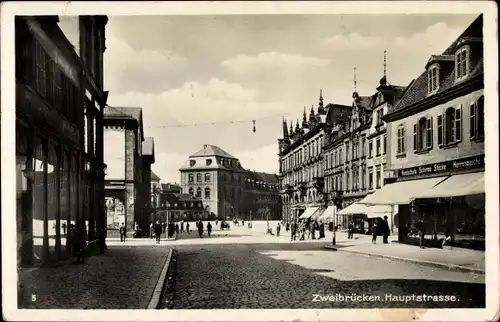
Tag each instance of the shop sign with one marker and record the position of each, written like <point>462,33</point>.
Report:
<point>444,167</point>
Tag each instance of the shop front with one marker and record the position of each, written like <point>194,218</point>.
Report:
<point>447,197</point>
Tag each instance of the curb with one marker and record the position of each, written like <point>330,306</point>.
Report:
<point>155,298</point>
<point>331,247</point>
<point>453,267</point>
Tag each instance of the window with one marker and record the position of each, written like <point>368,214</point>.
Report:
<point>346,151</point>
<point>379,117</point>
<point>232,177</point>
<point>370,178</point>
<point>191,177</point>
<point>207,177</point>
<point>208,161</point>
<point>192,163</point>
<point>433,77</point>
<point>422,134</point>
<point>198,177</point>
<point>385,145</point>
<point>363,177</point>
<point>477,119</point>
<point>401,140</point>
<point>378,146</point>
<point>370,149</point>
<point>191,191</point>
<point>363,143</point>
<point>198,192</point>
<point>461,63</point>
<point>207,193</point>
<point>379,177</point>
<point>450,126</point>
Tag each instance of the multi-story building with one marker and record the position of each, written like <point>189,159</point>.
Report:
<point>171,187</point>
<point>262,197</point>
<point>356,156</point>
<point>225,187</point>
<point>301,160</point>
<point>59,148</point>
<point>179,207</point>
<point>217,178</point>
<point>436,147</point>
<point>126,182</point>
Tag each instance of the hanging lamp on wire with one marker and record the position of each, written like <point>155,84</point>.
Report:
<point>254,129</point>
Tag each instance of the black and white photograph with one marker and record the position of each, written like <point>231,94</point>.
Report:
<point>250,161</point>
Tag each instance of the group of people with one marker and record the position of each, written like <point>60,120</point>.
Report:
<point>305,228</point>
<point>78,240</point>
<point>380,227</point>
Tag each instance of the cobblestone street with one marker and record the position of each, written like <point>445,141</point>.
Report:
<point>288,276</point>
<point>123,278</point>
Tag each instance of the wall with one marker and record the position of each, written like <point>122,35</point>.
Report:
<point>114,153</point>
<point>465,148</point>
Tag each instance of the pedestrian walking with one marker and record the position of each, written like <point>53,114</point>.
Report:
<point>177,228</point>
<point>209,229</point>
<point>385,230</point>
<point>80,241</point>
<point>447,235</point>
<point>312,227</point>
<point>101,239</point>
<point>164,227</point>
<point>375,230</point>
<point>151,230</point>
<point>200,228</point>
<point>421,232</point>
<point>187,228</point>
<point>182,226</point>
<point>123,232</point>
<point>350,230</point>
<point>278,229</point>
<point>64,227</point>
<point>287,227</point>
<point>157,231</point>
<point>321,230</point>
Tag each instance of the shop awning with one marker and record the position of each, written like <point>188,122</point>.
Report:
<point>401,193</point>
<point>317,215</point>
<point>308,212</point>
<point>457,185</point>
<point>328,213</point>
<point>360,208</point>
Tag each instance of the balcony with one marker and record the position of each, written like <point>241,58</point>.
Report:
<point>319,183</point>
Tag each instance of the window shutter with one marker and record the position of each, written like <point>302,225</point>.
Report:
<point>430,137</point>
<point>458,124</point>
<point>440,129</point>
<point>403,140</point>
<point>472,127</point>
<point>415,138</point>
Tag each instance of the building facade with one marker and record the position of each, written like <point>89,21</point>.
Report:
<point>179,207</point>
<point>59,147</point>
<point>261,197</point>
<point>356,156</point>
<point>125,184</point>
<point>301,159</point>
<point>436,154</point>
<point>225,187</point>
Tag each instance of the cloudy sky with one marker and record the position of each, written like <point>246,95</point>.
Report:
<point>188,72</point>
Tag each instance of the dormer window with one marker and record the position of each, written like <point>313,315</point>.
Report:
<point>433,79</point>
<point>208,162</point>
<point>192,163</point>
<point>462,63</point>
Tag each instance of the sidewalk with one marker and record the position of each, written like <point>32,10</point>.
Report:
<point>453,259</point>
<point>120,279</point>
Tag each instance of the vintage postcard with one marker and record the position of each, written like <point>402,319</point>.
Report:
<point>250,161</point>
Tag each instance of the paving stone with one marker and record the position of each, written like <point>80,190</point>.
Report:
<point>122,278</point>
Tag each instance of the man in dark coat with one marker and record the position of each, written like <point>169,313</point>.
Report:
<point>123,232</point>
<point>384,228</point>
<point>421,232</point>
<point>200,228</point>
<point>209,229</point>
<point>158,229</point>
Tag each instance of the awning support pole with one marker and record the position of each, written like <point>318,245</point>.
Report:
<point>392,219</point>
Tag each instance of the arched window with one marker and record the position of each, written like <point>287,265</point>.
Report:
<point>198,192</point>
<point>198,177</point>
<point>207,193</point>
<point>191,177</point>
<point>191,191</point>
<point>207,177</point>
